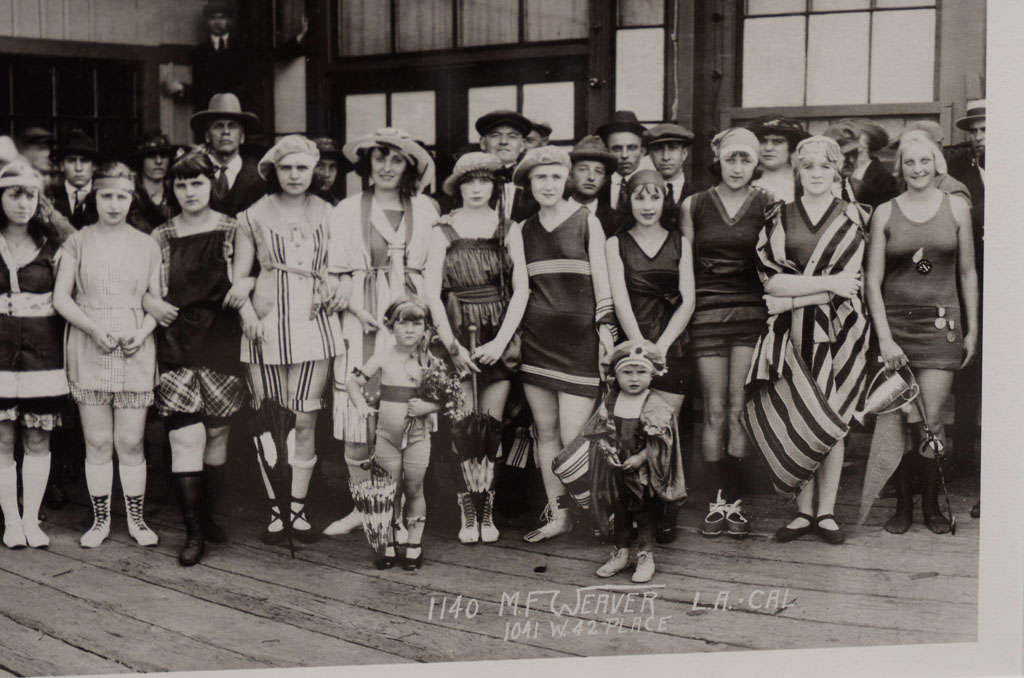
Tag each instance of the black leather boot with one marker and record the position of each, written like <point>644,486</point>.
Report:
<point>936,521</point>
<point>901,521</point>
<point>189,488</point>
<point>667,515</point>
<point>213,482</point>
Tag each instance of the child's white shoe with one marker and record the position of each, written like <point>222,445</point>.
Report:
<point>644,567</point>
<point>617,563</point>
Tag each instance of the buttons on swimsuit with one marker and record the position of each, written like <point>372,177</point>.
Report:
<point>940,323</point>
<point>952,325</point>
<point>951,337</point>
<point>924,267</point>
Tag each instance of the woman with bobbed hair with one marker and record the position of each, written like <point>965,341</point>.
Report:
<point>922,290</point>
<point>380,240</point>
<point>33,385</point>
<point>807,378</point>
<point>105,271</point>
<point>722,223</point>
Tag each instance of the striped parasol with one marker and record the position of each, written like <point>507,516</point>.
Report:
<point>374,498</point>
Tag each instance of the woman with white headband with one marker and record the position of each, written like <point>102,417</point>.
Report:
<point>922,289</point>
<point>807,378</point>
<point>722,223</point>
<point>33,386</point>
<point>105,270</point>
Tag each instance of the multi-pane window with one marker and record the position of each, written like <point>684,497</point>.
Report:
<point>640,58</point>
<point>821,52</point>
<point>394,26</point>
<point>99,97</point>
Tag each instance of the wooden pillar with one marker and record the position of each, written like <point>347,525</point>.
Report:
<point>601,62</point>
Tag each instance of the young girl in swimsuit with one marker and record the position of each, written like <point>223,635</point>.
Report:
<point>403,426</point>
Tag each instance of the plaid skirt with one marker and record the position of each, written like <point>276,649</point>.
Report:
<point>199,390</point>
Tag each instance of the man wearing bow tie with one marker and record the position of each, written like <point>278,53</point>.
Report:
<point>503,133</point>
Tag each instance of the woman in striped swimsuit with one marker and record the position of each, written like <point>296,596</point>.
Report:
<point>566,323</point>
<point>722,223</point>
<point>289,313</point>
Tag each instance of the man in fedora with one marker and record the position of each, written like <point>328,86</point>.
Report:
<point>77,159</point>
<point>592,165</point>
<point>222,127</point>
<point>539,135</point>
<point>328,168</point>
<point>152,158</point>
<point>668,145</point>
<point>503,133</point>
<point>623,134</point>
<point>971,171</point>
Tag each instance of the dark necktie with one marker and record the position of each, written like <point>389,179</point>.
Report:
<point>220,184</point>
<point>620,203</point>
<point>670,198</point>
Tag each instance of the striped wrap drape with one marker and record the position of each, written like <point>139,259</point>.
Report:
<point>807,377</point>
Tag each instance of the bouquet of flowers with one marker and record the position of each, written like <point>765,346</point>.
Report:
<point>439,384</point>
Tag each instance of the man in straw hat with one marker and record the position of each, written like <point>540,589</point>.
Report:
<point>592,165</point>
<point>503,133</point>
<point>623,134</point>
<point>222,127</point>
<point>972,172</point>
<point>77,159</point>
<point>668,146</point>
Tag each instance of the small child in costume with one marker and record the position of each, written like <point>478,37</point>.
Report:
<point>645,460</point>
<point>403,421</point>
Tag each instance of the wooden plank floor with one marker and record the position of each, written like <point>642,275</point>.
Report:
<point>124,608</point>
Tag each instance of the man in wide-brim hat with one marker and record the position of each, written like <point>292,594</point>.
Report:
<point>668,145</point>
<point>592,165</point>
<point>222,127</point>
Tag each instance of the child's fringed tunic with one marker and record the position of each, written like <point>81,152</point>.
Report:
<point>807,376</point>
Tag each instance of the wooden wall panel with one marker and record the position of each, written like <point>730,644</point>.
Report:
<point>27,21</point>
<point>181,21</point>
<point>115,21</point>
<point>52,12</point>
<point>7,17</point>
<point>78,20</point>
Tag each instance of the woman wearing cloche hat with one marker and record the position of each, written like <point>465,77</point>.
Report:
<point>468,288</point>
<point>380,239</point>
<point>289,313</point>
<point>561,299</point>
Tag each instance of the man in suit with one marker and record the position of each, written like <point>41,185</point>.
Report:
<point>668,146</point>
<point>328,169</point>
<point>592,164</point>
<point>222,127</point>
<point>221,61</point>
<point>971,172</point>
<point>623,134</point>
<point>77,159</point>
<point>503,133</point>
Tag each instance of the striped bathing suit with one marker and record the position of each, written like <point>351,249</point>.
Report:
<point>560,346</point>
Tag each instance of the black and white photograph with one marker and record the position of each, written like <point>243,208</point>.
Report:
<point>359,333</point>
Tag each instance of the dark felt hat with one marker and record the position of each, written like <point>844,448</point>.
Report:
<point>975,111</point>
<point>621,121</point>
<point>783,127</point>
<point>542,128</point>
<point>36,136</point>
<point>155,143</point>
<point>218,7</point>
<point>223,105</point>
<point>328,148</point>
<point>485,123</point>
<point>668,131</point>
<point>592,148</point>
<point>78,143</point>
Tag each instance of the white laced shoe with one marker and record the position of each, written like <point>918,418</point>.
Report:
<point>488,530</point>
<point>644,567</point>
<point>100,528</point>
<point>137,527</point>
<point>556,523</point>
<point>469,529</point>
<point>618,562</point>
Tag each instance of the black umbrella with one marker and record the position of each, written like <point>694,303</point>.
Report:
<point>275,424</point>
<point>476,439</point>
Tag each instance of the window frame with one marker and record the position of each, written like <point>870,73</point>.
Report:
<point>871,10</point>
